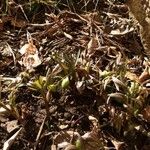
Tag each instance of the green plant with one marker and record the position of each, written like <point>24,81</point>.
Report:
<point>11,107</point>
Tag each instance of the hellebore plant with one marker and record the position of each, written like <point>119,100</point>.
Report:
<point>10,106</point>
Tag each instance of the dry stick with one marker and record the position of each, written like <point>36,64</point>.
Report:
<point>24,13</point>
<point>39,133</point>
<point>11,51</point>
<point>40,25</point>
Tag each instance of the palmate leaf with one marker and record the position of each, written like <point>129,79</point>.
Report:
<point>38,84</point>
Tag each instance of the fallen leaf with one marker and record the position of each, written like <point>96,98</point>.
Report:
<point>131,76</point>
<point>144,76</point>
<point>119,32</point>
<point>12,125</point>
<point>31,61</point>
<point>117,144</point>
<point>146,113</point>
<point>28,49</point>
<point>11,140</point>
<point>3,111</point>
<point>68,36</point>
<point>29,52</point>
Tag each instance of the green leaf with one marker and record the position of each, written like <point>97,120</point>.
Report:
<point>36,85</point>
<point>65,82</point>
<point>52,88</point>
<point>105,73</point>
<point>42,80</point>
<point>78,144</point>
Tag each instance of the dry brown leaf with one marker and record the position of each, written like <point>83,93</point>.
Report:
<point>144,76</point>
<point>131,76</point>
<point>31,61</point>
<point>3,111</point>
<point>146,113</point>
<point>93,45</point>
<point>89,141</point>
<point>29,48</point>
<point>65,136</point>
<point>30,58</point>
<point>119,32</point>
<point>117,144</point>
<point>18,23</point>
<point>12,125</point>
<point>11,140</point>
<point>92,140</point>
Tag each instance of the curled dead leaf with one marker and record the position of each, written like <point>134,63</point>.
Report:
<point>146,113</point>
<point>119,97</point>
<point>122,32</point>
<point>12,125</point>
<point>29,52</point>
<point>93,45</point>
<point>4,111</point>
<point>117,144</point>
<point>118,83</point>
<point>31,61</point>
<point>144,76</point>
<point>28,49</point>
<point>131,76</point>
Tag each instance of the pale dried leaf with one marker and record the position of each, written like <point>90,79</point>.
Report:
<point>11,125</point>
<point>131,76</point>
<point>93,120</point>
<point>117,144</point>
<point>92,140</point>
<point>93,45</point>
<point>28,49</point>
<point>118,83</point>
<point>24,48</point>
<point>68,36</point>
<point>31,61</point>
<point>3,111</point>
<point>11,140</point>
<point>144,76</point>
<point>119,32</point>
<point>65,136</point>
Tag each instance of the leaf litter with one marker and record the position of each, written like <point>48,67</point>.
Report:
<point>73,75</point>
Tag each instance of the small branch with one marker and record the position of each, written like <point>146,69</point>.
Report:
<point>39,133</point>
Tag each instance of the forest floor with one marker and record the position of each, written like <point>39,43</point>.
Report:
<point>73,76</point>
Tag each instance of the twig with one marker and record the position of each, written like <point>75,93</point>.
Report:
<point>11,51</point>
<point>40,25</point>
<point>39,133</point>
